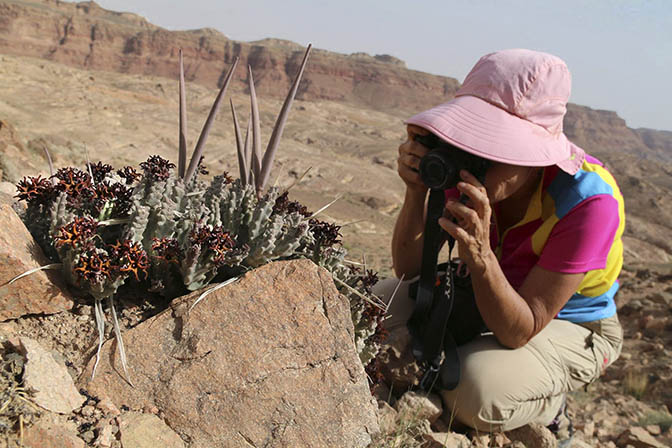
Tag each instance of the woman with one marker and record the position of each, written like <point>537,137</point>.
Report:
<point>541,238</point>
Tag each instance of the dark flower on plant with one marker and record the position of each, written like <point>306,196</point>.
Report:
<point>226,179</point>
<point>201,168</point>
<point>285,206</point>
<point>325,234</point>
<point>374,372</point>
<point>375,314</point>
<point>129,174</point>
<point>122,199</point>
<point>131,258</point>
<point>35,190</point>
<point>157,168</point>
<point>75,183</point>
<point>167,249</point>
<point>78,233</point>
<point>101,195</point>
<point>116,193</point>
<point>99,170</point>
<point>216,240</point>
<point>369,279</point>
<point>93,265</point>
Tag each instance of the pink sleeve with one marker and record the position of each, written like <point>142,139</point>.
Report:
<point>581,240</point>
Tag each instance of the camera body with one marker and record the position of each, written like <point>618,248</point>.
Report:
<point>440,167</point>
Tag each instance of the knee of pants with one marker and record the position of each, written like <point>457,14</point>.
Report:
<point>479,406</point>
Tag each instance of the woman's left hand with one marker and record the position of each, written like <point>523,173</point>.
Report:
<point>472,227</point>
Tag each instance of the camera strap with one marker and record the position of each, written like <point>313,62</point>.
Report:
<point>432,345</point>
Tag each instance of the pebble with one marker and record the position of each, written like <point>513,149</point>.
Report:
<point>84,310</point>
<point>88,410</point>
<point>654,430</point>
<point>88,436</point>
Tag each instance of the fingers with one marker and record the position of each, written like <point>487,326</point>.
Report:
<point>477,194</point>
<point>467,217</point>
<point>413,130</point>
<point>454,230</point>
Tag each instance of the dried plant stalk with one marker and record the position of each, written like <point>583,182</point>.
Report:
<point>182,137</point>
<point>256,129</point>
<point>269,155</point>
<point>242,163</point>
<point>198,151</point>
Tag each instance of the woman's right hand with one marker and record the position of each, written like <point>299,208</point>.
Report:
<point>408,162</point>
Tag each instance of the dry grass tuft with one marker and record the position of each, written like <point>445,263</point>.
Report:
<point>635,384</point>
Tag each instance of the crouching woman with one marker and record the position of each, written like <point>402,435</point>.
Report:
<point>541,237</point>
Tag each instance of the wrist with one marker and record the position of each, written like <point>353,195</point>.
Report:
<point>416,194</point>
<point>484,264</point>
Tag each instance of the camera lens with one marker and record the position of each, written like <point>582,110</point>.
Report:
<point>437,171</point>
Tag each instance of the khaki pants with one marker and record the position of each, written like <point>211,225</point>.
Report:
<point>502,388</point>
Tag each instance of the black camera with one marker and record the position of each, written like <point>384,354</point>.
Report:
<point>440,168</point>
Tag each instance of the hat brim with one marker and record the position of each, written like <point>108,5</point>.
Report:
<point>487,131</point>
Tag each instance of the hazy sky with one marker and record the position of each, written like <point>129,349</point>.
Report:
<point>619,52</point>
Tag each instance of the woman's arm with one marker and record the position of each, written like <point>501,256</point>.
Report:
<point>513,316</point>
<point>407,238</point>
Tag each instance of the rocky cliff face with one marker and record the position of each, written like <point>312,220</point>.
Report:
<point>85,35</point>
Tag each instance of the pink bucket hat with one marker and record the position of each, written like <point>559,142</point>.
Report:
<point>510,109</point>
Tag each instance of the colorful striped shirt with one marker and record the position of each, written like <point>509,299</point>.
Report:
<point>573,224</point>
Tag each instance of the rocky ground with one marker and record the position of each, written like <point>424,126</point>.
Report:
<point>351,153</point>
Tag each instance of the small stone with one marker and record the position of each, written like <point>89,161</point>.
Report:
<point>87,411</point>
<point>420,406</point>
<point>638,437</point>
<point>105,436</point>
<point>445,440</point>
<point>662,297</point>
<point>147,431</point>
<point>88,436</point>
<point>654,430</point>
<point>578,443</point>
<point>150,410</point>
<point>626,356</point>
<point>589,428</point>
<point>107,407</point>
<point>480,440</point>
<point>635,305</point>
<point>500,439</point>
<point>534,435</point>
<point>84,310</point>
<point>54,388</point>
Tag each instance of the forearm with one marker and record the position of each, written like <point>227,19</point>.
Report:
<point>504,311</point>
<point>407,237</point>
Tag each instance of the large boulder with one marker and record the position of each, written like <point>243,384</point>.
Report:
<point>42,292</point>
<point>266,361</point>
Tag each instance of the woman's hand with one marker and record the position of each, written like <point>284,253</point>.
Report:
<point>472,227</point>
<point>408,162</point>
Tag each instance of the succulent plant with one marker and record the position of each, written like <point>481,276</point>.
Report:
<point>163,228</point>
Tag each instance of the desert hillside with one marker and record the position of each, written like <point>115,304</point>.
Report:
<point>346,126</point>
<point>76,78</point>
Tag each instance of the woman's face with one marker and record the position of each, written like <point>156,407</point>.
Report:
<point>504,181</point>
